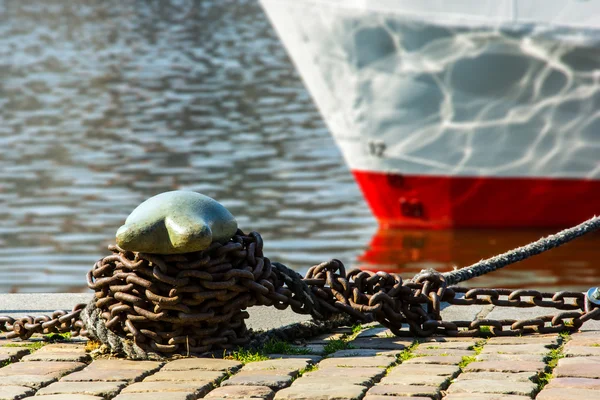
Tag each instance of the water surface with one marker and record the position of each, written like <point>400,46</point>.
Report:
<point>106,103</point>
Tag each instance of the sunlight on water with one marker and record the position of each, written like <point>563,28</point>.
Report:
<point>104,104</point>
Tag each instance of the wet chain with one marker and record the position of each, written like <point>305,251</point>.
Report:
<point>196,302</point>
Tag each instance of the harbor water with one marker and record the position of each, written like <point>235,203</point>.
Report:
<point>105,103</point>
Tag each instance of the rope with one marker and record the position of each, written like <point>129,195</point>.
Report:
<point>97,330</point>
<point>521,253</point>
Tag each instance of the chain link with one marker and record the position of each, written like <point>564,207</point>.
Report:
<point>197,301</point>
<point>59,322</point>
<point>417,303</point>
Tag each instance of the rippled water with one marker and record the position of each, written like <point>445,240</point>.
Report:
<point>104,104</point>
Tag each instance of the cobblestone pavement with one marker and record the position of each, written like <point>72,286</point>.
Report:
<point>368,364</point>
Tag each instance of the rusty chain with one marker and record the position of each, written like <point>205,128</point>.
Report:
<point>417,303</point>
<point>59,322</point>
<point>196,302</point>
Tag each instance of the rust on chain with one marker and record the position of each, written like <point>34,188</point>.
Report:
<point>59,322</point>
<point>196,302</point>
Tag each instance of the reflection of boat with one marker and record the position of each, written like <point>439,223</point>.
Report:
<point>407,251</point>
<point>466,113</point>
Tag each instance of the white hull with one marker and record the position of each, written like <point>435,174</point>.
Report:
<point>450,93</point>
<point>479,91</point>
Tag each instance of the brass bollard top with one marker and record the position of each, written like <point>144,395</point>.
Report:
<point>176,222</point>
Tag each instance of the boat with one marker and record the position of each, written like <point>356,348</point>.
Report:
<point>464,113</point>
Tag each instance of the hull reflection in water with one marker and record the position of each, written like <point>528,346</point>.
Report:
<point>407,251</point>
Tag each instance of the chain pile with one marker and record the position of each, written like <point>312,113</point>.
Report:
<point>188,303</point>
<point>195,302</point>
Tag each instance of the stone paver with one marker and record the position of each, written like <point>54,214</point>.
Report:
<point>492,386</point>
<point>15,392</point>
<point>500,376</point>
<point>392,343</point>
<point>105,376</point>
<point>548,340</point>
<point>60,352</point>
<point>103,389</point>
<point>122,364</point>
<point>583,345</point>
<point>32,381</point>
<point>510,357</point>
<point>210,364</point>
<point>242,392</point>
<point>40,368</point>
<point>406,390</point>
<point>113,370</point>
<point>533,348</point>
<point>62,348</point>
<point>433,344</point>
<point>311,379</point>
<point>581,351</point>
<point>422,351</point>
<point>325,392</point>
<point>406,379</point>
<point>294,364</point>
<point>197,388</point>
<point>194,375</point>
<point>450,342</point>
<point>585,339</point>
<point>338,373</point>
<point>444,360</point>
<point>57,356</point>
<point>425,369</point>
<point>66,397</point>
<point>363,353</point>
<point>506,366</point>
<point>567,394</point>
<point>151,396</point>
<point>313,358</point>
<point>377,397</point>
<point>485,396</point>
<point>577,367</point>
<point>13,353</point>
<point>276,379</point>
<point>355,362</point>
<point>575,383</point>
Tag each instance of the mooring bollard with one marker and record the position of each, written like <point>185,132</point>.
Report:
<point>179,279</point>
<point>182,275</point>
<point>176,222</point>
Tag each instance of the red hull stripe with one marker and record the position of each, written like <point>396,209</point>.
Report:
<point>445,202</point>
